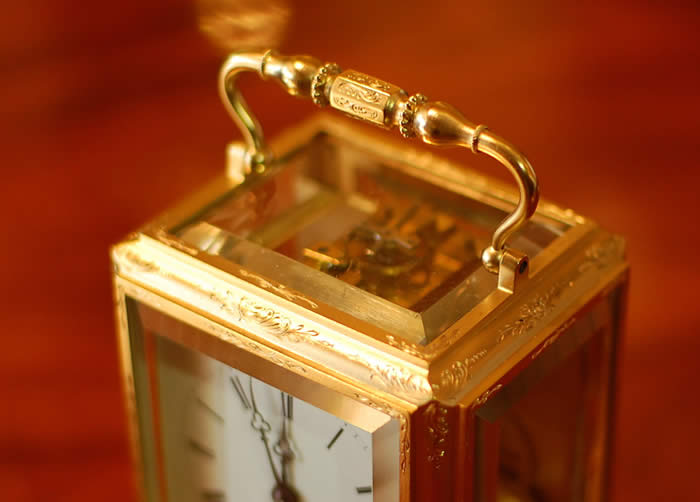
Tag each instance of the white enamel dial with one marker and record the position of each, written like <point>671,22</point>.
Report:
<point>222,423</point>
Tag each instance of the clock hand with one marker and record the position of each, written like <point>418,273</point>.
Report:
<point>259,424</point>
<point>283,447</point>
<point>281,492</point>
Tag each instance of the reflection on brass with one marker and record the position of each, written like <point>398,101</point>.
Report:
<point>235,24</point>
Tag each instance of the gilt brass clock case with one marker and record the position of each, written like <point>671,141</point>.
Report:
<point>442,373</point>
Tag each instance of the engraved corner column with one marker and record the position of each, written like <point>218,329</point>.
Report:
<point>366,98</point>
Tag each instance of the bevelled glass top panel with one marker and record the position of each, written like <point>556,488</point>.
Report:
<point>360,232</point>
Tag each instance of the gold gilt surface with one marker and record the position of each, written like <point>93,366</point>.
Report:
<point>451,369</point>
<point>354,360</point>
<point>111,114</point>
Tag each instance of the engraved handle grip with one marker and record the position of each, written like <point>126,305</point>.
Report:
<point>386,105</point>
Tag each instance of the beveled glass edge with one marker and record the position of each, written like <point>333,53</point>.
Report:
<point>136,446</point>
<point>314,287</point>
<point>469,184</point>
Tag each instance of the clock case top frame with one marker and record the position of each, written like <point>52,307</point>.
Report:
<point>246,311</point>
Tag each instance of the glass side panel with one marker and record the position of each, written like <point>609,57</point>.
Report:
<point>365,222</point>
<point>545,437</point>
<point>211,432</point>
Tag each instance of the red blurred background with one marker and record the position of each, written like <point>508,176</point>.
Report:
<point>109,113</point>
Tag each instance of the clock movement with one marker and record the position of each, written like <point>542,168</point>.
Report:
<point>342,317</point>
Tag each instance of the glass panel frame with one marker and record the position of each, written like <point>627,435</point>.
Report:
<point>142,347</point>
<point>284,196</point>
<point>566,394</point>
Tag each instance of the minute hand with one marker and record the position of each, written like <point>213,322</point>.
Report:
<point>283,447</point>
<point>259,424</point>
<point>281,492</point>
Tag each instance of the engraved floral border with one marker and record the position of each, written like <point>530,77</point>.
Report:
<point>249,311</point>
<point>598,256</point>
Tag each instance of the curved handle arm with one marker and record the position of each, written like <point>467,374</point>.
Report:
<point>386,105</point>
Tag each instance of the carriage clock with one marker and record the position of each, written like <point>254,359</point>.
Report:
<point>341,318</point>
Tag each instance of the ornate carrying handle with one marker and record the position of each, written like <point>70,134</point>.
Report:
<point>386,105</point>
